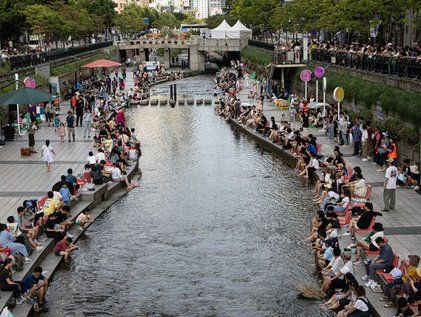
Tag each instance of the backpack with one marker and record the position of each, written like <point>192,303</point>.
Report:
<point>19,259</point>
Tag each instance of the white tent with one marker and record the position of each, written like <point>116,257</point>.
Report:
<point>220,32</point>
<point>239,31</point>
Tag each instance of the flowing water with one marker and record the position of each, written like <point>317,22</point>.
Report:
<point>215,228</point>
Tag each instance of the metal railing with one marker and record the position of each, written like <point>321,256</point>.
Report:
<point>29,60</point>
<point>261,44</point>
<point>398,66</point>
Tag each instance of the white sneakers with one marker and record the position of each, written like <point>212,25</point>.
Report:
<point>27,260</point>
<point>369,283</point>
<point>365,278</point>
<point>38,248</point>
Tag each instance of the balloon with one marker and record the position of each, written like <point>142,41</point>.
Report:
<point>319,72</point>
<point>29,82</point>
<point>305,75</point>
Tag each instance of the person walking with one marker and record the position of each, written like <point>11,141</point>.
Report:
<point>31,136</point>
<point>47,152</point>
<point>87,120</point>
<point>70,123</point>
<point>390,184</point>
<point>79,110</point>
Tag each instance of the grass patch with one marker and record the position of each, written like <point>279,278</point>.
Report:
<point>404,104</point>
<point>257,56</point>
<point>75,66</point>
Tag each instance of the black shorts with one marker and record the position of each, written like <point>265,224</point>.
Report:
<point>343,303</point>
<point>31,140</point>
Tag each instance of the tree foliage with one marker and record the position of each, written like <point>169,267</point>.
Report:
<point>354,16</point>
<point>166,20</point>
<point>130,20</point>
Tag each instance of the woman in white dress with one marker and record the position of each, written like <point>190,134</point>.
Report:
<point>47,152</point>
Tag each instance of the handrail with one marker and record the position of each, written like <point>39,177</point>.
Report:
<point>23,61</point>
<point>406,67</point>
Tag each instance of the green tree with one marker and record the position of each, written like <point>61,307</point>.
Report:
<point>166,20</point>
<point>44,20</point>
<point>216,20</point>
<point>101,11</point>
<point>131,19</point>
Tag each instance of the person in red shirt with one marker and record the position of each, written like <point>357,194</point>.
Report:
<point>65,248</point>
<point>73,102</point>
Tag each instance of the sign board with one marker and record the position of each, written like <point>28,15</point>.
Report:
<point>305,48</point>
<point>338,94</point>
<point>29,82</point>
<point>319,72</point>
<point>305,75</point>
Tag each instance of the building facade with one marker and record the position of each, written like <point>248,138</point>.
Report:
<point>121,4</point>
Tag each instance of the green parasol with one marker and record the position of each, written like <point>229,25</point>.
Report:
<point>25,96</point>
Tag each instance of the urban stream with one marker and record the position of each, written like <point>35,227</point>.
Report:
<point>216,227</point>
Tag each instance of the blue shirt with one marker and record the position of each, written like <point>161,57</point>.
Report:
<point>65,192</point>
<point>328,254</point>
<point>356,133</point>
<point>70,120</point>
<point>29,280</point>
<point>311,149</point>
<point>386,254</point>
<point>71,179</point>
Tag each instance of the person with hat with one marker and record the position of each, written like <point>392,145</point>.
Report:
<point>408,282</point>
<point>413,176</point>
<point>390,184</point>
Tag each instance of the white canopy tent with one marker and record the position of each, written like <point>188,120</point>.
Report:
<point>239,31</point>
<point>220,32</point>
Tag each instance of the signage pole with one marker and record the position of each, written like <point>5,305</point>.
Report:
<point>17,106</point>
<point>317,91</point>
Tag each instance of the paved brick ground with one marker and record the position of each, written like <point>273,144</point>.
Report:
<point>25,177</point>
<point>404,224</point>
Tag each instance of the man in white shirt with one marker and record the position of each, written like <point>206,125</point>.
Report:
<point>100,156</point>
<point>364,143</point>
<point>389,193</point>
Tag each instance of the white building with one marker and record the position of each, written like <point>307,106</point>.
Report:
<point>216,7</point>
<point>200,8</point>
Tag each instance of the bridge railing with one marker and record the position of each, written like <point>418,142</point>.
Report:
<point>260,44</point>
<point>398,66</point>
<point>28,60</point>
<point>154,42</point>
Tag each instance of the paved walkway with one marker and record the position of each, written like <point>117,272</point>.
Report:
<point>403,226</point>
<point>24,177</point>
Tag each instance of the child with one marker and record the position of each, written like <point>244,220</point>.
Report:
<point>56,122</point>
<point>65,193</point>
<point>82,219</point>
<point>32,295</point>
<point>403,308</point>
<point>62,131</point>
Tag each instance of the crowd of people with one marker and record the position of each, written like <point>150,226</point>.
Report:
<point>38,221</point>
<point>388,50</point>
<point>341,194</point>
